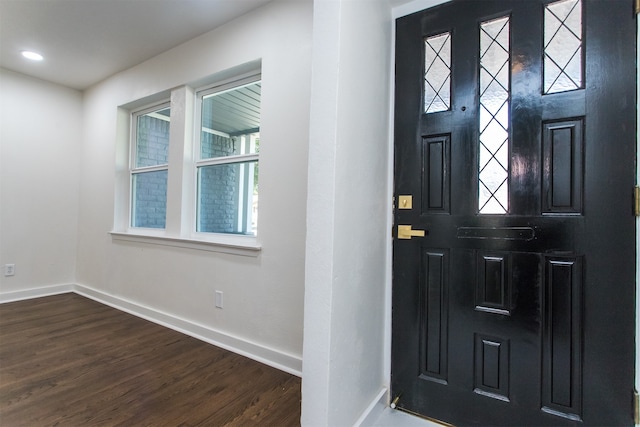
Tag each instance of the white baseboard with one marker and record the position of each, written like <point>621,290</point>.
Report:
<point>374,410</point>
<point>271,357</point>
<point>44,291</point>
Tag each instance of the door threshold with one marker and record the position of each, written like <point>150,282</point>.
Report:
<point>402,418</point>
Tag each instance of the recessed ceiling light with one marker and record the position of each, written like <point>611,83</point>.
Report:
<point>32,55</point>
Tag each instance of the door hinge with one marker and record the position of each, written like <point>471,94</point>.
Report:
<point>636,407</point>
<point>636,6</point>
<point>636,199</point>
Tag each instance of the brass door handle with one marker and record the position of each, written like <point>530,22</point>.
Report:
<point>406,232</point>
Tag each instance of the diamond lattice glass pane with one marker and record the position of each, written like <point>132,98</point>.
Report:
<point>494,97</point>
<point>493,136</point>
<point>502,156</point>
<point>485,156</point>
<point>490,201</point>
<point>502,116</point>
<point>563,46</point>
<point>493,166</point>
<point>437,77</point>
<point>493,175</point>
<point>485,118</point>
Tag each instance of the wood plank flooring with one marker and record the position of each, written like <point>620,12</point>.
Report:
<point>66,360</point>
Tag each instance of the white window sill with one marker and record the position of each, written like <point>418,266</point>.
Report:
<point>236,245</point>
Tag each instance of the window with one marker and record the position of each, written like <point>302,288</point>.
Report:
<point>227,159</point>
<point>187,166</point>
<point>149,167</point>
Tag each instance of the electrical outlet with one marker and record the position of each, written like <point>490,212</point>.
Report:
<point>9,269</point>
<point>219,299</point>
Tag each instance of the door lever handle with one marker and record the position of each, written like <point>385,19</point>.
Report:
<point>406,232</point>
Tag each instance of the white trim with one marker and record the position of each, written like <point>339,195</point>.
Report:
<point>44,291</point>
<point>638,218</point>
<point>263,354</point>
<point>388,291</point>
<point>230,244</point>
<point>374,410</point>
<point>289,363</point>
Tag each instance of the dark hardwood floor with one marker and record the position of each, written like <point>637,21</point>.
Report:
<point>66,360</point>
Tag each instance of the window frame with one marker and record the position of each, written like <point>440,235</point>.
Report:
<point>200,94</point>
<point>133,170</point>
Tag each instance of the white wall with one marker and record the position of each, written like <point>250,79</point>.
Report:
<point>347,237</point>
<point>40,130</point>
<point>263,295</point>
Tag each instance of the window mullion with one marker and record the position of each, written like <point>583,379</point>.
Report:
<point>179,198</point>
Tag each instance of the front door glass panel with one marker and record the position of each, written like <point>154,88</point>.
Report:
<point>493,173</point>
<point>563,46</point>
<point>437,75</point>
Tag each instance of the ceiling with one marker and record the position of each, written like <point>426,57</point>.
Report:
<point>85,41</point>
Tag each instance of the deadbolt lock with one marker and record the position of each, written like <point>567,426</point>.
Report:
<point>405,202</point>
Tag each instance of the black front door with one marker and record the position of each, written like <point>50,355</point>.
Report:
<point>515,153</point>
